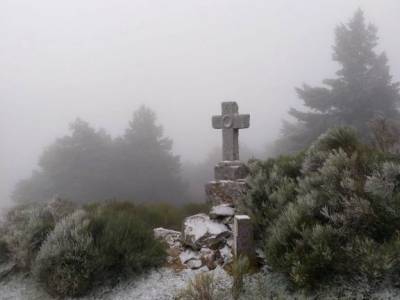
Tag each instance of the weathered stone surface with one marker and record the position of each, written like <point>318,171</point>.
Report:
<point>230,170</point>
<point>200,231</point>
<point>171,237</point>
<point>191,259</point>
<point>226,191</point>
<point>243,238</point>
<point>222,211</point>
<point>187,255</point>
<point>194,264</point>
<point>230,122</point>
<point>208,258</point>
<point>226,254</point>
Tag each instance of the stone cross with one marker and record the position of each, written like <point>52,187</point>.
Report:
<point>230,122</point>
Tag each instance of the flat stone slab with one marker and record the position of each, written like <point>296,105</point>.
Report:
<point>226,191</point>
<point>230,170</point>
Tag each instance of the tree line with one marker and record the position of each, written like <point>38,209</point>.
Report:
<point>89,165</point>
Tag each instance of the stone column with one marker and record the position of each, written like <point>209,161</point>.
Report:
<point>243,237</point>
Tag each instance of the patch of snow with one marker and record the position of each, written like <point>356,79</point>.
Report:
<point>242,217</point>
<point>199,225</point>
<point>223,210</point>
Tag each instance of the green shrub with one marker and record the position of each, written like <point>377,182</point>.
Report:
<point>335,212</point>
<point>101,244</point>
<point>124,241</point>
<point>67,260</point>
<point>272,185</point>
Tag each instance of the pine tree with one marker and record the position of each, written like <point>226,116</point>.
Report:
<point>73,167</point>
<point>148,169</point>
<point>362,90</point>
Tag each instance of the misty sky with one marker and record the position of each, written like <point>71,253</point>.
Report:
<point>101,59</point>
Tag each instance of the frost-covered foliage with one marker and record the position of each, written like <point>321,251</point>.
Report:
<point>99,244</point>
<point>26,226</point>
<point>66,262</point>
<point>24,230</point>
<point>272,185</point>
<point>339,213</point>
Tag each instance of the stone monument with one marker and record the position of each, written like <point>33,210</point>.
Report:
<point>229,186</point>
<point>208,240</point>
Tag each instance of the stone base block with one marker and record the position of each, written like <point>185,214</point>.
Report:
<point>230,170</point>
<point>243,238</point>
<point>226,191</point>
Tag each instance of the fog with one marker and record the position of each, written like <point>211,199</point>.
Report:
<point>100,60</point>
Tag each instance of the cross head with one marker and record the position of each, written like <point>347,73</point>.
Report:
<point>230,122</point>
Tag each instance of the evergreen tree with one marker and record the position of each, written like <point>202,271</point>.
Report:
<point>74,166</point>
<point>147,168</point>
<point>362,90</point>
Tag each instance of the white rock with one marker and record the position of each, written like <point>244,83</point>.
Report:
<point>199,230</point>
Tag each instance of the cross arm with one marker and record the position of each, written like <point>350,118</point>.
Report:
<point>241,121</point>
<point>234,121</point>
<point>217,122</point>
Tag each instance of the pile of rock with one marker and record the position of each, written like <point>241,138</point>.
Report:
<point>205,241</point>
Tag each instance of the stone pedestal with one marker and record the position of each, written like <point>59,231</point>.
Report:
<point>243,237</point>
<point>230,170</point>
<point>226,192</point>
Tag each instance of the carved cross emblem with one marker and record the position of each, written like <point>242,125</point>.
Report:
<point>230,122</point>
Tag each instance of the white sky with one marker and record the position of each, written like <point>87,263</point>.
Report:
<point>100,60</point>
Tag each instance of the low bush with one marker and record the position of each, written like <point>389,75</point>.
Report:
<point>24,230</point>
<point>334,210</point>
<point>124,241</point>
<point>101,243</point>
<point>98,244</point>
<point>26,227</point>
<point>67,260</point>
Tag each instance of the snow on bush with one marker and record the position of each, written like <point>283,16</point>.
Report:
<point>332,211</point>
<point>23,231</point>
<point>66,261</point>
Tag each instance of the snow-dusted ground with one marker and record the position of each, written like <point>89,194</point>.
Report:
<point>161,284</point>
<point>164,284</point>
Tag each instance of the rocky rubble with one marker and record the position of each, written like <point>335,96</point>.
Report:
<point>205,240</point>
